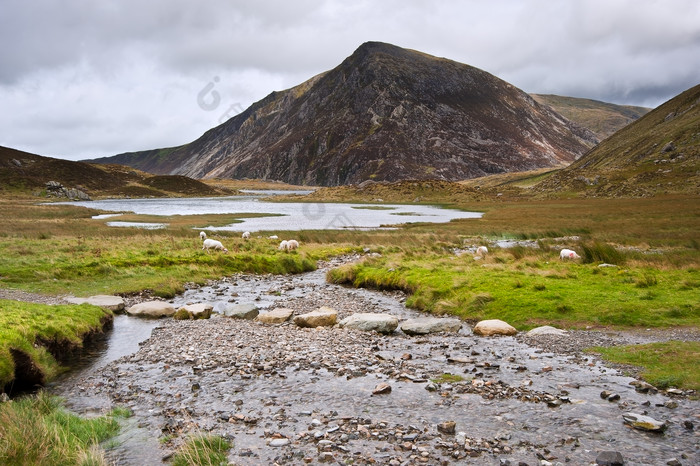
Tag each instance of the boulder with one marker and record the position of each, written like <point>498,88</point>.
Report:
<point>487,328</point>
<point>546,330</point>
<point>276,316</point>
<point>425,325</point>
<point>197,311</point>
<point>382,323</point>
<point>151,309</point>
<point>322,317</point>
<point>609,458</point>
<point>646,423</point>
<point>111,303</point>
<point>241,311</point>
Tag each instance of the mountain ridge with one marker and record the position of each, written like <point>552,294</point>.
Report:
<point>385,113</point>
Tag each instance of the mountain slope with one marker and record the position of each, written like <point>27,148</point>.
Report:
<point>659,153</point>
<point>24,173</point>
<point>385,113</point>
<point>602,118</point>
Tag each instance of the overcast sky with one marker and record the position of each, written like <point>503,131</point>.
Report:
<point>86,78</point>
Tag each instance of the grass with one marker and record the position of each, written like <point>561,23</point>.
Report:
<point>448,378</point>
<point>36,334</point>
<point>533,290</point>
<point>204,450</point>
<point>664,364</point>
<point>38,430</point>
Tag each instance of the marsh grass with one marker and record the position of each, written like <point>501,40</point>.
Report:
<point>38,430</point>
<point>203,450</point>
<point>665,364</point>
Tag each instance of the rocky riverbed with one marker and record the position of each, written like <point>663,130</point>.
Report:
<point>290,395</point>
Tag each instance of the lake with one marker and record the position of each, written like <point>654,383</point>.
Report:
<point>287,215</point>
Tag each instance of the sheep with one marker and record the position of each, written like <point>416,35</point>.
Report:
<point>482,251</point>
<point>202,235</point>
<point>292,244</point>
<point>283,246</point>
<point>273,237</point>
<point>213,244</point>
<point>246,235</point>
<point>568,254</point>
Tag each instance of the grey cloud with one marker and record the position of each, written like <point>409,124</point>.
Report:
<point>133,68</point>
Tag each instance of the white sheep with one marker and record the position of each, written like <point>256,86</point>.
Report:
<point>246,235</point>
<point>482,251</point>
<point>283,246</point>
<point>202,235</point>
<point>568,254</point>
<point>213,244</point>
<point>292,244</point>
<point>273,237</point>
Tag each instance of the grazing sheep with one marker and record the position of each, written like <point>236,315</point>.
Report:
<point>213,244</point>
<point>292,244</point>
<point>482,251</point>
<point>202,235</point>
<point>568,254</point>
<point>246,235</point>
<point>273,237</point>
<point>283,246</point>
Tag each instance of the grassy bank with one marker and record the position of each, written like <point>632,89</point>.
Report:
<point>37,430</point>
<point>33,337</point>
<point>528,287</point>
<point>666,364</point>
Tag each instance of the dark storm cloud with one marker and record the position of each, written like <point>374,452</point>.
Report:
<point>80,78</point>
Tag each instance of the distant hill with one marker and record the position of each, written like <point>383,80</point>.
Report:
<point>658,153</point>
<point>385,113</point>
<point>25,173</point>
<point>602,118</point>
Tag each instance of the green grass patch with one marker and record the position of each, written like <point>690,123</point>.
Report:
<point>203,450</point>
<point>34,334</point>
<point>665,364</point>
<point>38,430</point>
<point>533,290</point>
<point>448,378</point>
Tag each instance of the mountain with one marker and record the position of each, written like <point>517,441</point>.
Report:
<point>658,153</point>
<point>602,118</point>
<point>24,173</point>
<point>385,113</point>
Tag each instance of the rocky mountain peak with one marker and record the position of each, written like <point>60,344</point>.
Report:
<point>385,113</point>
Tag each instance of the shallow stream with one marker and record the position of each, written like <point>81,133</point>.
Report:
<point>259,384</point>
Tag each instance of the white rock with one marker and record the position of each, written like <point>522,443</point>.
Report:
<point>493,327</point>
<point>641,422</point>
<point>382,323</point>
<point>153,309</point>
<point>241,311</point>
<point>199,310</point>
<point>276,316</point>
<point>546,330</point>
<point>322,317</point>
<point>425,325</point>
<point>111,303</point>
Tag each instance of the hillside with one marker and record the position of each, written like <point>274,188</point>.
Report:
<point>602,118</point>
<point>24,173</point>
<point>659,153</point>
<point>385,113</point>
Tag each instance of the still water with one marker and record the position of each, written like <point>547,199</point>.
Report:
<point>284,215</point>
